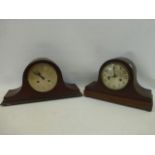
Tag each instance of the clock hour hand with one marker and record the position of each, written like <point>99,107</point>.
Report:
<point>39,74</point>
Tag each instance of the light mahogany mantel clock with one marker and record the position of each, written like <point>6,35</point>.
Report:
<point>117,82</point>
<point>42,80</point>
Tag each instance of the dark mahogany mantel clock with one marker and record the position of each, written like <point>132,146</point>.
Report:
<point>42,80</point>
<point>117,82</point>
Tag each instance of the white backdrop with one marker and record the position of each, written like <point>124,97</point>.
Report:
<point>79,47</point>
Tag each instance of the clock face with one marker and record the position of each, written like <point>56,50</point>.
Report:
<point>115,76</point>
<point>42,77</point>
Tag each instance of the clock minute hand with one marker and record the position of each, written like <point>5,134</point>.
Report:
<point>114,69</point>
<point>39,74</point>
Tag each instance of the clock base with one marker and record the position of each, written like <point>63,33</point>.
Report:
<point>18,96</point>
<point>139,101</point>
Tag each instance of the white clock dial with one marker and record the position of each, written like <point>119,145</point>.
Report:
<point>115,76</point>
<point>42,77</point>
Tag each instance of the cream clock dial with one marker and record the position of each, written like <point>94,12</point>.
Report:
<point>42,77</point>
<point>115,76</point>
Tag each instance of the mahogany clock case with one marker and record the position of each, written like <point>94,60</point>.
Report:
<point>26,94</point>
<point>132,95</point>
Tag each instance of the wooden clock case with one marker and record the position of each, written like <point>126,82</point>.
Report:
<point>25,94</point>
<point>132,95</point>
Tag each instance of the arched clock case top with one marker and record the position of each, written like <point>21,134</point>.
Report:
<point>132,94</point>
<point>26,94</point>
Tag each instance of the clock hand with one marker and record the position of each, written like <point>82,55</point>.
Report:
<point>114,69</point>
<point>39,74</point>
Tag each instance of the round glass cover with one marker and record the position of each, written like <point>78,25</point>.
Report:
<point>115,76</point>
<point>42,77</point>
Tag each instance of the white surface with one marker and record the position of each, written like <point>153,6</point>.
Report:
<point>79,47</point>
<point>75,116</point>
